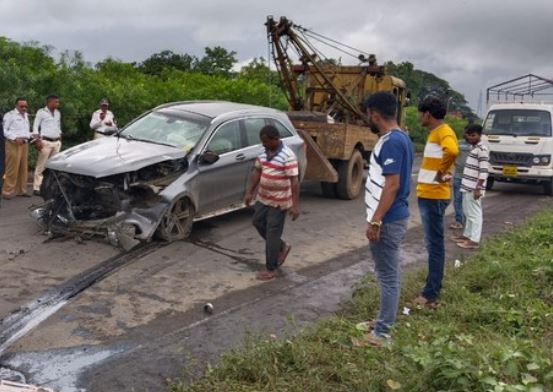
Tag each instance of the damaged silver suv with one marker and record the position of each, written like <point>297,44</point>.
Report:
<point>175,164</point>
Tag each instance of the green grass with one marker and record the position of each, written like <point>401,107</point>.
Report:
<point>494,332</point>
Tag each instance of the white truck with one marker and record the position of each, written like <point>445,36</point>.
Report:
<point>519,135</point>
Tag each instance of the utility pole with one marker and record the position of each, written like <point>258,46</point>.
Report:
<point>479,108</point>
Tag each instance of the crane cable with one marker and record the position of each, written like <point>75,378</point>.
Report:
<point>331,40</point>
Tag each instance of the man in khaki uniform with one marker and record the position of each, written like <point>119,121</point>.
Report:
<point>17,134</point>
<point>47,135</point>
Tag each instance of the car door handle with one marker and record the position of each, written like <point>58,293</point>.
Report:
<point>240,157</point>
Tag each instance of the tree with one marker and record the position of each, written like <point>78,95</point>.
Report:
<point>258,70</point>
<point>217,61</point>
<point>156,63</point>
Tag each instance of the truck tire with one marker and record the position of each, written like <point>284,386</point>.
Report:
<point>548,188</point>
<point>350,177</point>
<point>489,183</point>
<point>329,189</point>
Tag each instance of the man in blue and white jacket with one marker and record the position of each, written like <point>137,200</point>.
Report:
<point>386,200</point>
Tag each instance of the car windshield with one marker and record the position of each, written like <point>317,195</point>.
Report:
<point>518,122</point>
<point>180,131</point>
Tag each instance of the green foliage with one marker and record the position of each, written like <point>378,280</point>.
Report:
<point>492,335</point>
<point>217,61</point>
<point>29,70</point>
<point>158,62</point>
<point>420,84</point>
<point>419,134</point>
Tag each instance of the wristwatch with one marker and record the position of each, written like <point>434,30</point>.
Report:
<point>376,224</point>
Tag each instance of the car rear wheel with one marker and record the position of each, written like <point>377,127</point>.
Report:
<point>177,222</point>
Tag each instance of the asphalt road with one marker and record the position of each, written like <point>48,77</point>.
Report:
<point>142,322</point>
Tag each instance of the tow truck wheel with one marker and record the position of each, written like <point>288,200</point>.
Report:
<point>548,187</point>
<point>176,224</point>
<point>350,176</point>
<point>489,183</point>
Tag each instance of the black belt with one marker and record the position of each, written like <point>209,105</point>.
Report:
<point>48,139</point>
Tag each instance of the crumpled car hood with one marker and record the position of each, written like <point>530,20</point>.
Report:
<point>110,155</point>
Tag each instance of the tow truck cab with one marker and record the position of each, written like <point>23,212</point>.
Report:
<point>521,143</point>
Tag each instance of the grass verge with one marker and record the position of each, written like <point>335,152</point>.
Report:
<point>493,333</point>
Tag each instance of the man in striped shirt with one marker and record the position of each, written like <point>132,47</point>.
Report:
<point>387,202</point>
<point>433,192</point>
<point>473,186</point>
<point>275,178</point>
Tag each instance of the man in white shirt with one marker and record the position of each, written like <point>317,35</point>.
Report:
<point>102,120</point>
<point>17,134</point>
<point>47,136</point>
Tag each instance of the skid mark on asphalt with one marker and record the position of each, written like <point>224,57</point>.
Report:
<point>236,256</point>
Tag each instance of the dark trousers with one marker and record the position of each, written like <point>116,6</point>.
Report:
<point>269,222</point>
<point>432,214</point>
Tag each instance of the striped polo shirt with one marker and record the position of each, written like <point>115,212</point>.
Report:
<point>275,187</point>
<point>476,168</point>
<point>439,155</point>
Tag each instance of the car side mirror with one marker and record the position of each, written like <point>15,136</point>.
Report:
<point>208,158</point>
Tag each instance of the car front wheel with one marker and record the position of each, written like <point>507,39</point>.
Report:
<point>177,222</point>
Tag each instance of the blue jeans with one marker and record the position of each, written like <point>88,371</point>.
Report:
<point>432,214</point>
<point>386,256</point>
<point>458,200</point>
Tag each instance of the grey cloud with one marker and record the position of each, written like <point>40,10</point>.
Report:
<point>471,43</point>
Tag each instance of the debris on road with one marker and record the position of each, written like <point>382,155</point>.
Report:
<point>10,386</point>
<point>208,308</point>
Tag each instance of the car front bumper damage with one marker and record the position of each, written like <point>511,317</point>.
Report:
<point>124,209</point>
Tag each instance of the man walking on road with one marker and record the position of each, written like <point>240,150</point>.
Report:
<point>275,177</point>
<point>434,193</point>
<point>386,199</point>
<point>47,135</point>
<point>17,135</point>
<point>473,187</point>
<point>102,120</point>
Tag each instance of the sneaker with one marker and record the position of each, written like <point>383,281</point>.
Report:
<point>36,193</point>
<point>7,196</point>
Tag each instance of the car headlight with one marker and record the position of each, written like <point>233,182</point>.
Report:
<point>541,160</point>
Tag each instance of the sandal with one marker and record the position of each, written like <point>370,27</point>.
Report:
<point>468,245</point>
<point>458,238</point>
<point>423,301</point>
<point>284,254</point>
<point>456,225</point>
<point>265,275</point>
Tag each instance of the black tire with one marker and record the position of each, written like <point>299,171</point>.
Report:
<point>177,222</point>
<point>548,188</point>
<point>350,177</point>
<point>490,183</point>
<point>329,189</point>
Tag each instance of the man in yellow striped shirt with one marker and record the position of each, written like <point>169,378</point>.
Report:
<point>433,192</point>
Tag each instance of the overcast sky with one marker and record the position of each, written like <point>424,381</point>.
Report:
<point>470,43</point>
